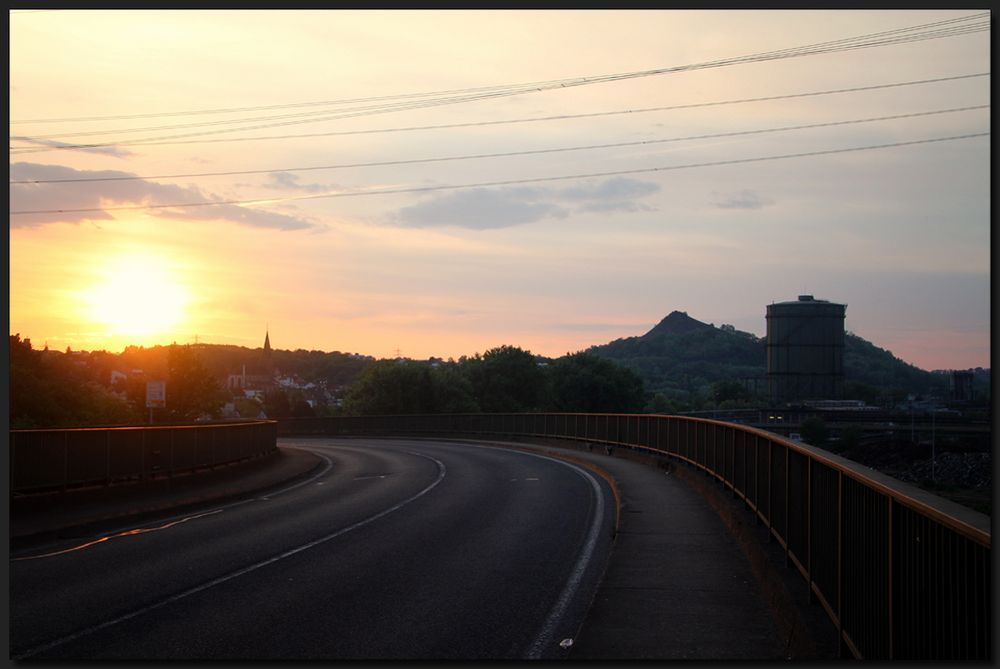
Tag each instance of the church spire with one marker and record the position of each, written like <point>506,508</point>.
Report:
<point>267,344</point>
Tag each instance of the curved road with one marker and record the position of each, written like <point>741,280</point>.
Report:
<point>394,549</point>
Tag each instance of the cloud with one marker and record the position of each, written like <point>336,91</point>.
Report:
<point>617,189</point>
<point>68,195</point>
<point>744,199</point>
<point>628,207</point>
<point>289,181</point>
<point>481,209</point>
<point>488,208</point>
<point>103,150</point>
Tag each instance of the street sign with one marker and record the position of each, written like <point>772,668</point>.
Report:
<point>156,394</point>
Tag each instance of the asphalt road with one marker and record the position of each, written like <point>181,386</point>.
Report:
<point>396,550</point>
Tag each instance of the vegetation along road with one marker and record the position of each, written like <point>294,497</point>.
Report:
<point>394,549</point>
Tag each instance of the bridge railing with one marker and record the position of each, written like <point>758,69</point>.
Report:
<point>903,574</point>
<point>62,458</point>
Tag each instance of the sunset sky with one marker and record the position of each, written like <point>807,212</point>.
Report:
<point>166,183</point>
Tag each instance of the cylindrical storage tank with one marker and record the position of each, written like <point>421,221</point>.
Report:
<point>805,349</point>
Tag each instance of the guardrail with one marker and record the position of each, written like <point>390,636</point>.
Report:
<point>903,574</point>
<point>57,459</point>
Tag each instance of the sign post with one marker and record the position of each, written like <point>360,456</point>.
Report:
<point>156,396</point>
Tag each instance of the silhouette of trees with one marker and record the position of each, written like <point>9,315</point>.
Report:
<point>276,404</point>
<point>585,383</point>
<point>391,387</point>
<point>192,391</point>
<point>53,389</point>
<point>814,431</point>
<point>506,379</point>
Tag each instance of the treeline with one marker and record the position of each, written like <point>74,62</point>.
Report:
<point>51,389</point>
<point>503,379</point>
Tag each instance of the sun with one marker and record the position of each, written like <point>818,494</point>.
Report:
<point>137,294</point>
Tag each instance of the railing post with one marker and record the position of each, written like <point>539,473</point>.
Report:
<point>107,457</point>
<point>809,507</point>
<point>770,506</point>
<point>891,619</point>
<point>732,460</point>
<point>840,565</point>
<point>788,476</point>
<point>65,459</point>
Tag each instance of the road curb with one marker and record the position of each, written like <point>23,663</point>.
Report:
<point>40,519</point>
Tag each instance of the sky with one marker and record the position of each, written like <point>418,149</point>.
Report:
<point>441,182</point>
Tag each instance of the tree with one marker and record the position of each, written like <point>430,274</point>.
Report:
<point>722,391</point>
<point>390,387</point>
<point>814,431</point>
<point>661,404</point>
<point>585,383</point>
<point>452,390</point>
<point>191,390</point>
<point>54,391</point>
<point>276,404</point>
<point>506,379</point>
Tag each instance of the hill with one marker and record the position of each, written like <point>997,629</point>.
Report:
<point>682,357</point>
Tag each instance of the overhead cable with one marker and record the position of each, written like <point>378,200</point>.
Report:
<point>902,35</point>
<point>505,154</point>
<point>493,184</point>
<point>560,117</point>
<point>972,23</point>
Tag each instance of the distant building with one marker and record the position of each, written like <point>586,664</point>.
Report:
<point>805,350</point>
<point>259,373</point>
<point>961,385</point>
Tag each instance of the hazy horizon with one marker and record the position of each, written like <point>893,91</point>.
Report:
<point>278,347</point>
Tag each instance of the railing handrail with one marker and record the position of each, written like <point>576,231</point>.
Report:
<point>154,426</point>
<point>61,458</point>
<point>977,527</point>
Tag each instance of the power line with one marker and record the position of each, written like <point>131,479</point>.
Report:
<point>884,38</point>
<point>489,184</point>
<point>232,121</point>
<point>559,117</point>
<point>502,154</point>
<point>793,51</point>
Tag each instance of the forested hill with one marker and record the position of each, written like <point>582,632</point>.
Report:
<point>682,357</point>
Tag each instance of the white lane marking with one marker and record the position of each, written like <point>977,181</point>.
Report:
<point>530,479</point>
<point>558,610</point>
<point>554,619</point>
<point>122,530</point>
<point>240,572</point>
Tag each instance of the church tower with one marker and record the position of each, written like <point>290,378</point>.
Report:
<point>268,361</point>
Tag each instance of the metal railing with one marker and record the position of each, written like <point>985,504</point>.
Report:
<point>64,458</point>
<point>902,573</point>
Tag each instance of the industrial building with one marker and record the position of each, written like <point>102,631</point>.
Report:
<point>805,350</point>
<point>961,385</point>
